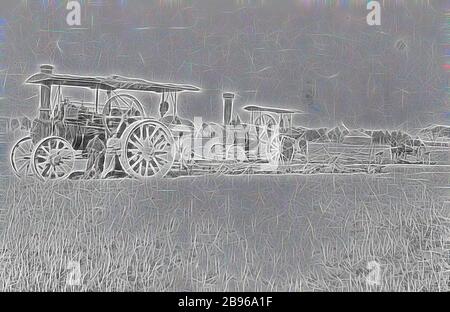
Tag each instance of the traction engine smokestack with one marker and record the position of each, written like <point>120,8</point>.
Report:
<point>44,106</point>
<point>227,108</point>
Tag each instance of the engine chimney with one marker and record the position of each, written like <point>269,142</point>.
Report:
<point>44,107</point>
<point>227,108</point>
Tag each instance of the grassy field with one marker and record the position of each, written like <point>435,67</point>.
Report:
<point>267,233</point>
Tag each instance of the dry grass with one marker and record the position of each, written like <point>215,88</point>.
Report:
<point>207,234</point>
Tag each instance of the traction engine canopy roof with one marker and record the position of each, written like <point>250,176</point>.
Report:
<point>263,109</point>
<point>109,83</point>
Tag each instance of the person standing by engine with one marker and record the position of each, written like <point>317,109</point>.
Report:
<point>96,152</point>
<point>163,108</point>
<point>113,149</point>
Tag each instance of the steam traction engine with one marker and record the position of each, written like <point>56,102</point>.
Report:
<point>60,135</point>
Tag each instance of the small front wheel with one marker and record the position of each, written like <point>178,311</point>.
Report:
<point>20,157</point>
<point>53,159</point>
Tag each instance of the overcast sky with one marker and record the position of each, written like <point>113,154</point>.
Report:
<point>323,60</point>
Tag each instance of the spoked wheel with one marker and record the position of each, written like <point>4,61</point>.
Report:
<point>20,157</point>
<point>266,123</point>
<point>53,159</point>
<point>265,126</point>
<point>118,107</point>
<point>148,149</point>
<point>280,150</point>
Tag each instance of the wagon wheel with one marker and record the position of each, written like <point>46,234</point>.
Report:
<point>118,106</point>
<point>20,157</point>
<point>53,159</point>
<point>281,150</point>
<point>148,149</point>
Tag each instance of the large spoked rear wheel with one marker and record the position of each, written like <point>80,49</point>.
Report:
<point>148,149</point>
<point>280,150</point>
<point>53,159</point>
<point>20,157</point>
